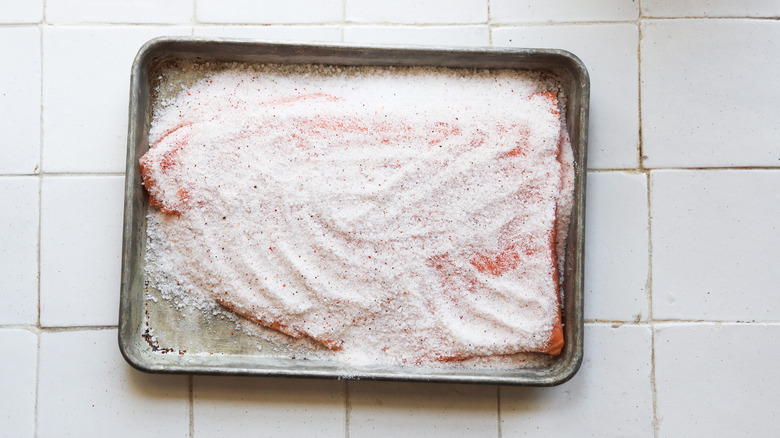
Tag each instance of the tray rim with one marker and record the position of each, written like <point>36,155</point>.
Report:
<point>573,316</point>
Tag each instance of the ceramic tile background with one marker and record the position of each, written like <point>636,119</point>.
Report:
<point>682,307</point>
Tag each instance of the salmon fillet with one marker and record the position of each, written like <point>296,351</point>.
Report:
<point>484,274</point>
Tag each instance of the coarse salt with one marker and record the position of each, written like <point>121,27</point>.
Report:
<point>391,215</point>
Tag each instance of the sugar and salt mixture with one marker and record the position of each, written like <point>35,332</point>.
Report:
<point>391,216</point>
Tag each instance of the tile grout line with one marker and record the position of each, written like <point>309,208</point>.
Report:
<point>644,169</point>
<point>490,25</point>
<point>21,24</point>
<point>630,170</point>
<point>370,24</point>
<point>194,17</point>
<point>37,380</point>
<point>387,23</point>
<point>63,174</point>
<point>250,24</point>
<point>651,317</point>
<point>347,409</point>
<point>342,22</point>
<point>39,334</point>
<point>191,388</point>
<point>649,288</point>
<point>511,24</point>
<point>712,321</point>
<point>649,283</point>
<point>97,24</point>
<point>498,411</point>
<point>586,22</point>
<point>29,327</point>
<point>616,322</point>
<point>39,168</point>
<point>343,25</point>
<point>62,329</point>
<point>640,145</point>
<point>741,17</point>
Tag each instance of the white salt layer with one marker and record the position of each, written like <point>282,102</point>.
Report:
<point>396,216</point>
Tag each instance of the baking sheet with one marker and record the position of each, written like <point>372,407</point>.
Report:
<point>156,336</point>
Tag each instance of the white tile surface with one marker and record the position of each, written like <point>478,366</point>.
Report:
<point>19,250</point>
<point>20,99</point>
<point>715,243</point>
<point>717,380</point>
<point>616,246</point>
<point>269,12</point>
<point>86,389</point>
<point>81,244</point>
<point>283,33</point>
<point>17,380</point>
<point>417,11</point>
<point>124,11</point>
<point>86,82</point>
<point>708,98</point>
<point>610,396</point>
<point>415,35</point>
<point>232,406</point>
<point>710,8</point>
<point>609,51</point>
<point>525,11</point>
<point>21,11</point>
<point>392,409</point>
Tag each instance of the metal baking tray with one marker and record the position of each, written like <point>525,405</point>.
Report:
<point>154,337</point>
